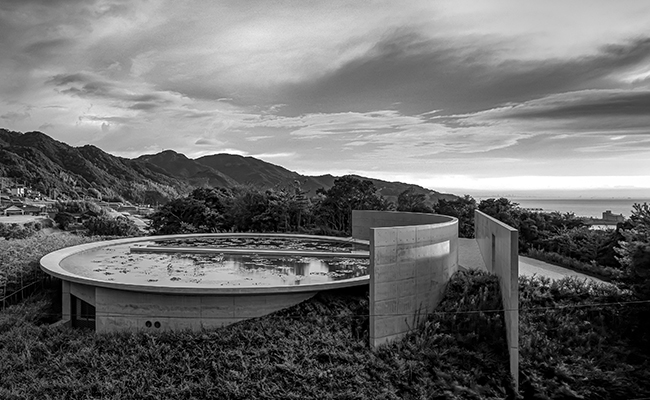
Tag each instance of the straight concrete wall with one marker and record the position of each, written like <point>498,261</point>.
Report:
<point>409,267</point>
<point>498,244</point>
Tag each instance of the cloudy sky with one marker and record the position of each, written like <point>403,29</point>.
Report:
<point>460,95</point>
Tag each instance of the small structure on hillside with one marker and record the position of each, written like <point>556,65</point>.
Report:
<point>12,210</point>
<point>18,190</point>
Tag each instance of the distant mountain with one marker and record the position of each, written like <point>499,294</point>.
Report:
<point>253,171</point>
<point>179,166</point>
<point>250,170</point>
<point>51,166</point>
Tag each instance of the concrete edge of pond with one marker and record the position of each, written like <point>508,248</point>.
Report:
<point>50,264</point>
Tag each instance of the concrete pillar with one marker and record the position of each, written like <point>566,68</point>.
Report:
<point>65,299</point>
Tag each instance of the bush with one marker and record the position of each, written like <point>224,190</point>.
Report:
<point>34,225</point>
<point>17,231</point>
<point>64,219</point>
<point>46,222</point>
<point>107,226</point>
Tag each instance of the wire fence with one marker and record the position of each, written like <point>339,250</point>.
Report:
<point>23,285</point>
<point>47,281</point>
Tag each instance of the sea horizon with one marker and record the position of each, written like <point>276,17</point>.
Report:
<point>583,207</point>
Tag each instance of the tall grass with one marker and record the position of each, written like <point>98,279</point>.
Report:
<point>315,350</point>
<point>575,341</point>
<point>19,258</point>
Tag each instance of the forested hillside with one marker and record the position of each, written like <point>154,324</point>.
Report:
<point>57,169</point>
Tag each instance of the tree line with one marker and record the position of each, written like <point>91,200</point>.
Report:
<point>286,209</point>
<point>289,209</point>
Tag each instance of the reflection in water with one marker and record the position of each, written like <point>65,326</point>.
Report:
<point>117,264</point>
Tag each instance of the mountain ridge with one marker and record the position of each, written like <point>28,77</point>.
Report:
<point>54,167</point>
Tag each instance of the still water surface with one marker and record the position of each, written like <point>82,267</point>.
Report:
<point>117,264</point>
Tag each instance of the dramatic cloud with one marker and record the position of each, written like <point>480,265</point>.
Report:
<point>587,104</point>
<point>417,75</point>
<point>443,93</point>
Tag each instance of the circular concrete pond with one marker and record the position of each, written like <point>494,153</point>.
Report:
<point>199,280</point>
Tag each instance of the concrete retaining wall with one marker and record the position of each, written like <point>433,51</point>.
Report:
<point>498,244</point>
<point>409,267</point>
<point>118,310</point>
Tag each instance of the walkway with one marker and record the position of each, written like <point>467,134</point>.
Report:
<point>530,266</point>
<point>469,257</point>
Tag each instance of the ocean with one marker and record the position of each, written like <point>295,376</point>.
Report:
<point>580,207</point>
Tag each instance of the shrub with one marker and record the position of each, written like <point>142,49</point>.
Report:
<point>16,231</point>
<point>63,219</point>
<point>46,222</point>
<point>107,226</point>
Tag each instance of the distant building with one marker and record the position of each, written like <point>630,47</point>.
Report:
<point>13,210</point>
<point>610,217</point>
<point>533,209</point>
<point>128,209</point>
<point>608,221</point>
<point>145,210</point>
<point>17,191</point>
<point>34,209</point>
<point>114,205</point>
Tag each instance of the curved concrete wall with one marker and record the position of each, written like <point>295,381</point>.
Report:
<point>118,310</point>
<point>362,221</point>
<point>412,257</point>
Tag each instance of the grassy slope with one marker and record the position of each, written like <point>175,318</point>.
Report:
<point>573,344</point>
<point>314,350</point>
<point>574,341</point>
